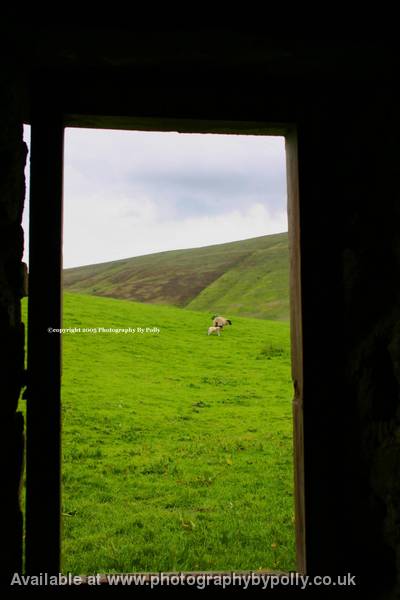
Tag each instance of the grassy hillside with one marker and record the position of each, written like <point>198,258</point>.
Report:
<point>248,277</point>
<point>255,287</point>
<point>177,447</point>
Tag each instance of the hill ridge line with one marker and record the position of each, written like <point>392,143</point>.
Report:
<point>246,277</point>
<point>190,249</point>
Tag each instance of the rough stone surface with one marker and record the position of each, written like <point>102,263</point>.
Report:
<point>12,191</point>
<point>351,297</point>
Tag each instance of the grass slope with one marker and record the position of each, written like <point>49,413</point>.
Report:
<point>248,277</point>
<point>177,447</point>
<point>258,286</point>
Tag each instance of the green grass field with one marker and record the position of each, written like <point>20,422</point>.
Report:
<point>177,447</point>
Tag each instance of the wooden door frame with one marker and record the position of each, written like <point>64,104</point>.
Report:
<point>43,501</point>
<point>43,430</point>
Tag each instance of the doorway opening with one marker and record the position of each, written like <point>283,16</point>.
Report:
<point>177,445</point>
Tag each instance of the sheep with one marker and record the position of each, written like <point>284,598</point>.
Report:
<point>216,330</point>
<point>220,321</point>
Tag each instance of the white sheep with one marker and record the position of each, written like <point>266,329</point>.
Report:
<point>216,330</point>
<point>220,321</point>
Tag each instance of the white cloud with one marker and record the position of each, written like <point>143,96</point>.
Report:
<point>142,232</point>
<point>133,193</point>
<point>25,216</point>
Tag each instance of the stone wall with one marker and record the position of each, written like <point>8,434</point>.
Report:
<point>12,191</point>
<point>371,282</point>
<point>350,256</point>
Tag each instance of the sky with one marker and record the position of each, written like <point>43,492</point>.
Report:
<point>128,193</point>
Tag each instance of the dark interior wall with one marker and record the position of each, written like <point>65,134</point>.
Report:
<point>343,99</point>
<point>350,256</point>
<point>370,264</point>
<point>12,191</point>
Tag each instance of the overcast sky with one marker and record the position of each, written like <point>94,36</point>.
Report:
<point>131,193</point>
